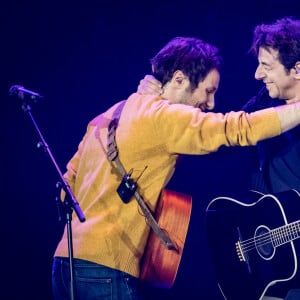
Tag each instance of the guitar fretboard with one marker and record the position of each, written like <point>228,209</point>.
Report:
<point>285,234</point>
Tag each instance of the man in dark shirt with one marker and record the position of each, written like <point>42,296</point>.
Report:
<point>277,160</point>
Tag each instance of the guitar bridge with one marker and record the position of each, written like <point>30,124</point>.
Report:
<point>239,251</point>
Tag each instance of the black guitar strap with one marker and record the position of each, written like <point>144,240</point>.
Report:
<point>128,187</point>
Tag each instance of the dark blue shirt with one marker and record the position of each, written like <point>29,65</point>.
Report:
<point>277,162</point>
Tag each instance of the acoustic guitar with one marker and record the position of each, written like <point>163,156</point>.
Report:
<point>160,265</point>
<point>253,242</point>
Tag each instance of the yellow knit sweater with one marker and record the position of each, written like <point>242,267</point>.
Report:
<point>152,133</point>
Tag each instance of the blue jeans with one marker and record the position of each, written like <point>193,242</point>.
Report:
<point>93,281</point>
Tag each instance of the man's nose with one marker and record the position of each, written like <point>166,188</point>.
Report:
<point>259,74</point>
<point>210,104</point>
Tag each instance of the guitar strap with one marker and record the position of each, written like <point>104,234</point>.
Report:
<point>128,187</point>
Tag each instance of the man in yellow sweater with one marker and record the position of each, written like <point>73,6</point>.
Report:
<point>151,134</point>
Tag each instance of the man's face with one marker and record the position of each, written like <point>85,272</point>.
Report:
<point>279,82</point>
<point>203,96</point>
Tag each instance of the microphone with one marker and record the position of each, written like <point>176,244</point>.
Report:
<point>21,92</point>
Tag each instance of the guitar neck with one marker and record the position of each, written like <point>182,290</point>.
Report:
<point>285,234</point>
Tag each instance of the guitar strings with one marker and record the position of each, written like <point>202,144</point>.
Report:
<point>275,237</point>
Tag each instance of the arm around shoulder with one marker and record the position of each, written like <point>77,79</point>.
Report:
<point>289,115</point>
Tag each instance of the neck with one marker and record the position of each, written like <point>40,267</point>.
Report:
<point>294,94</point>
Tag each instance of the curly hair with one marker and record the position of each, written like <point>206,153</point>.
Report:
<point>282,35</point>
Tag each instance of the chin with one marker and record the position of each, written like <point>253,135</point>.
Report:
<point>273,94</point>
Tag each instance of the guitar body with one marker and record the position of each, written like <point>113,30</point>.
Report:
<point>250,246</point>
<point>160,265</point>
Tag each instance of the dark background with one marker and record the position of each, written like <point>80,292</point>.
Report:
<point>83,56</point>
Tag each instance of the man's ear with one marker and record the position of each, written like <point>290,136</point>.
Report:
<point>297,68</point>
<point>178,78</point>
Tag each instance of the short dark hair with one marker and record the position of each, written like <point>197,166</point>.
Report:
<point>194,57</point>
<point>282,35</point>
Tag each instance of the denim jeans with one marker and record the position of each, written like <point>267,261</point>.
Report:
<point>93,281</point>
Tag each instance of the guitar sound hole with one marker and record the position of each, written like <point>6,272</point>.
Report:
<point>263,242</point>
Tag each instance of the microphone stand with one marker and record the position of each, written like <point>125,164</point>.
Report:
<point>70,203</point>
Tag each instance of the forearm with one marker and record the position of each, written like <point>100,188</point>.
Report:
<point>289,115</point>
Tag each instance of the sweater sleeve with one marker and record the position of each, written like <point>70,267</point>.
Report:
<point>190,131</point>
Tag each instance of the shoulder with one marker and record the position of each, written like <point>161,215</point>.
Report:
<point>261,101</point>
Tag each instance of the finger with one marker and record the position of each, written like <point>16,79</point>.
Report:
<point>151,79</point>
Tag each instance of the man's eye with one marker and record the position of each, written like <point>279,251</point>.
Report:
<point>267,68</point>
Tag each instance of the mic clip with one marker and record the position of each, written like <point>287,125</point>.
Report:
<point>126,188</point>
